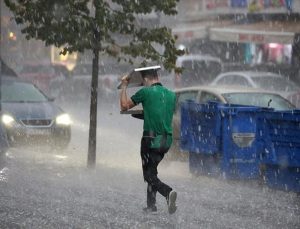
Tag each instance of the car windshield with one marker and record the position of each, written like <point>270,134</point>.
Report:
<point>275,83</point>
<point>259,99</point>
<point>21,92</point>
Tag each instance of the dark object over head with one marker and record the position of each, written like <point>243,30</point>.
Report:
<point>151,73</point>
<point>136,76</point>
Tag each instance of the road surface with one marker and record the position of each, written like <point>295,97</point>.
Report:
<point>41,188</point>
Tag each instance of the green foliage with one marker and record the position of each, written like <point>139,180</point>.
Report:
<point>109,26</point>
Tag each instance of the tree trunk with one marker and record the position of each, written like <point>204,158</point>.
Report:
<point>93,112</point>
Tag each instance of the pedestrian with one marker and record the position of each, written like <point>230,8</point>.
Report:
<point>254,6</point>
<point>158,104</point>
<point>289,5</point>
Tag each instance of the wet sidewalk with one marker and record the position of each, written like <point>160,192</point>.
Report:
<point>51,192</point>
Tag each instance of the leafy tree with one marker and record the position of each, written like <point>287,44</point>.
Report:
<point>103,27</point>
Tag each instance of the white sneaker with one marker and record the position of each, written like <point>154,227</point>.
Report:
<point>171,201</point>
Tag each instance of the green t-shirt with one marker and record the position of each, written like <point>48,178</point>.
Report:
<point>158,104</point>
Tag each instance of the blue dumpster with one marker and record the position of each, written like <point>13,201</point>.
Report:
<point>200,127</point>
<point>200,136</point>
<point>282,138</point>
<point>222,139</point>
<point>282,178</point>
<point>281,154</point>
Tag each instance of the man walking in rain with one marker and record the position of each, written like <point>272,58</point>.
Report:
<point>158,106</point>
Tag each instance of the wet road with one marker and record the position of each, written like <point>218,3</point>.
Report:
<point>40,188</point>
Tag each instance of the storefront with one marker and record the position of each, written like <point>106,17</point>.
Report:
<point>196,33</point>
<point>187,33</point>
<point>263,42</point>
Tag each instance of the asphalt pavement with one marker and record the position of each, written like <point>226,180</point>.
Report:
<point>42,188</point>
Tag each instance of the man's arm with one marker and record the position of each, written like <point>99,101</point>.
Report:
<point>125,102</point>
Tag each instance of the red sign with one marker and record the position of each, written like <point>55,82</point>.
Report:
<point>212,4</point>
<point>251,37</point>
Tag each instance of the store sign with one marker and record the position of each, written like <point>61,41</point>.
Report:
<point>213,4</point>
<point>239,3</point>
<point>251,38</point>
<point>186,33</point>
<point>273,3</point>
<point>263,4</point>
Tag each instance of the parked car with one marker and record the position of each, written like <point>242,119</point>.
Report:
<point>287,70</point>
<point>30,117</point>
<point>197,70</point>
<point>226,95</point>
<point>264,80</point>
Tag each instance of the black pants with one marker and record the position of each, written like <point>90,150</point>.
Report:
<point>150,160</point>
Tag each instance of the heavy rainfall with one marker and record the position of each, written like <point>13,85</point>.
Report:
<point>235,157</point>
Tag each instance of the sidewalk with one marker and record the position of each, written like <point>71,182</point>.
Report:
<point>48,194</point>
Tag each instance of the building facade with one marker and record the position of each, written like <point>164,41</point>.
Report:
<point>241,31</point>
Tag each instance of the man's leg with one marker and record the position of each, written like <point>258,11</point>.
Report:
<point>154,159</point>
<point>151,192</point>
<point>151,174</point>
<point>151,195</point>
<point>150,160</point>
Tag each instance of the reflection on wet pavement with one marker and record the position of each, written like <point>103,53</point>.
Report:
<point>3,174</point>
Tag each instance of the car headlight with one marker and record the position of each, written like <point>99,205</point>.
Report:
<point>8,120</point>
<point>63,119</point>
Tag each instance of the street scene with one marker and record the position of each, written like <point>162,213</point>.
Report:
<point>173,114</point>
<point>44,189</point>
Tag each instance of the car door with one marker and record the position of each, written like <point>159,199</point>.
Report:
<point>181,97</point>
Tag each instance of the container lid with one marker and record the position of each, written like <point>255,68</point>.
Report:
<point>136,76</point>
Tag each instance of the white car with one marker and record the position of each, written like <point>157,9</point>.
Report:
<point>263,80</point>
<point>226,95</point>
<point>197,69</point>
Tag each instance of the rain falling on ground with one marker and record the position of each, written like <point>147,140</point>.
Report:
<point>43,188</point>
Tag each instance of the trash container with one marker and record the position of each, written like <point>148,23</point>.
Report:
<point>223,139</point>
<point>200,127</point>
<point>281,154</point>
<point>282,178</point>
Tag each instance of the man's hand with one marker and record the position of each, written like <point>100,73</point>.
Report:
<point>125,102</point>
<point>125,81</point>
